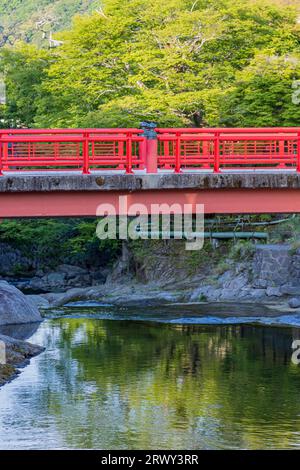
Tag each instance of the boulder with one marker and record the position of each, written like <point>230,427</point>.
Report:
<point>71,271</point>
<point>15,308</point>
<point>200,293</point>
<point>294,302</point>
<point>274,292</point>
<point>258,295</point>
<point>15,353</point>
<point>38,300</point>
<point>238,283</point>
<point>290,290</point>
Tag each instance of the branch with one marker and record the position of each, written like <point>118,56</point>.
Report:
<point>101,13</point>
<point>194,4</point>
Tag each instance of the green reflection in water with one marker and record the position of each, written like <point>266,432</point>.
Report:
<point>124,384</point>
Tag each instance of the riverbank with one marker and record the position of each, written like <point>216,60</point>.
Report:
<point>157,274</point>
<point>151,296</point>
<point>17,355</point>
<point>151,271</point>
<point>19,319</point>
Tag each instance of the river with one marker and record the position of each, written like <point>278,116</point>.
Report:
<point>114,380</point>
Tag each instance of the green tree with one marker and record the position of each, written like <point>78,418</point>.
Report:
<point>24,69</point>
<point>183,62</point>
<point>263,93</point>
<point>171,63</point>
<point>32,20</point>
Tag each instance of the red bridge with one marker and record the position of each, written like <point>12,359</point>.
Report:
<point>69,172</point>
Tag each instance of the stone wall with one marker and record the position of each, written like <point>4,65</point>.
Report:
<point>274,266</point>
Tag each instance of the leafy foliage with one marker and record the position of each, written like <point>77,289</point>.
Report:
<point>183,62</point>
<point>32,20</point>
<point>49,242</point>
<point>25,68</point>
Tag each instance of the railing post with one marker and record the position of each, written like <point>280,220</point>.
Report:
<point>142,153</point>
<point>177,153</point>
<point>1,151</point>
<point>217,153</point>
<point>129,153</point>
<point>86,154</point>
<point>151,146</point>
<point>5,156</point>
<point>298,152</point>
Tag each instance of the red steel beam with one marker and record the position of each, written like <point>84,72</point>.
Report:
<point>219,201</point>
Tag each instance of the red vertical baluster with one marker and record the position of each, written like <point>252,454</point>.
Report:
<point>142,153</point>
<point>129,154</point>
<point>177,154</point>
<point>205,154</point>
<point>281,154</point>
<point>1,152</point>
<point>166,146</point>
<point>217,153</point>
<point>120,150</point>
<point>86,156</point>
<point>298,152</point>
<point>5,156</point>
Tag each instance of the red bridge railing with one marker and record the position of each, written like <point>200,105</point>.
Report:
<point>129,150</point>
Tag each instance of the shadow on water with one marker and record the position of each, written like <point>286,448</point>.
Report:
<point>23,331</point>
<point>205,313</point>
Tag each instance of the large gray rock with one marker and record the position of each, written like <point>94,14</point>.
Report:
<point>274,292</point>
<point>71,271</point>
<point>290,290</point>
<point>15,307</point>
<point>294,302</point>
<point>38,300</point>
<point>17,354</point>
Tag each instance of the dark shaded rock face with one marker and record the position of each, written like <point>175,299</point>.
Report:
<point>15,308</point>
<point>11,259</point>
<point>22,331</point>
<point>65,277</point>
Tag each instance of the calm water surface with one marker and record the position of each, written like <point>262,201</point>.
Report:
<point>114,384</point>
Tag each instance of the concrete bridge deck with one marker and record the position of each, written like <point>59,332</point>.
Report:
<point>50,194</point>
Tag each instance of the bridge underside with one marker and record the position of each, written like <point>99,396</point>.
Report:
<point>80,196</point>
<point>76,204</point>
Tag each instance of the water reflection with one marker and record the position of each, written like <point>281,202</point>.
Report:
<point>129,384</point>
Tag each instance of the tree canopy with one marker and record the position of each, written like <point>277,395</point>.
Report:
<point>32,20</point>
<point>180,62</point>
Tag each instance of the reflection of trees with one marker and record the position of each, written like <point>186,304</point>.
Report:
<point>133,384</point>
